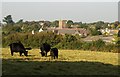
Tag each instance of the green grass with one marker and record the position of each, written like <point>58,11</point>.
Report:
<point>69,62</point>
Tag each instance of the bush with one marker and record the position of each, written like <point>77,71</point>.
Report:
<point>59,41</point>
<point>98,45</point>
<point>32,40</point>
<point>95,32</point>
<point>86,46</point>
<point>11,29</point>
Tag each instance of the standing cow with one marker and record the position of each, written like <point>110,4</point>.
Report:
<point>18,47</point>
<point>54,53</point>
<point>45,48</point>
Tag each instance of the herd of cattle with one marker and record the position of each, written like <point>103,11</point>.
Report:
<point>45,48</point>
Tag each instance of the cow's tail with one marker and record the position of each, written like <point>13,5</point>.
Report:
<point>28,48</point>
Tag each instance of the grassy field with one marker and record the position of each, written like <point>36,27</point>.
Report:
<point>69,62</point>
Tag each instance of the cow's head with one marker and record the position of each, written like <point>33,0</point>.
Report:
<point>26,53</point>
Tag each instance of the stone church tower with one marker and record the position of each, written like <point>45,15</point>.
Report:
<point>62,24</point>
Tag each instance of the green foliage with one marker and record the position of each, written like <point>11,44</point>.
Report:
<point>86,46</point>
<point>22,31</point>
<point>8,20</point>
<point>95,32</point>
<point>32,40</point>
<point>69,23</point>
<point>11,29</point>
<point>69,38</point>
<point>55,23</point>
<point>47,23</point>
<point>110,48</point>
<point>59,41</point>
<point>69,45</point>
<point>99,25</point>
<point>98,45</point>
<point>69,42</point>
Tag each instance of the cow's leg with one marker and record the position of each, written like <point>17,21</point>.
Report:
<point>57,56</point>
<point>26,53</point>
<point>20,53</point>
<point>46,54</point>
<point>54,56</point>
<point>11,53</point>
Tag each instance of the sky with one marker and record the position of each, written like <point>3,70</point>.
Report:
<point>88,11</point>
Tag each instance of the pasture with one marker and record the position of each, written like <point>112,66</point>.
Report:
<point>69,62</point>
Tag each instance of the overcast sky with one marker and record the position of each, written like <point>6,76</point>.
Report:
<point>76,11</point>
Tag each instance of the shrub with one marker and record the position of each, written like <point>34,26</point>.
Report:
<point>98,45</point>
<point>86,46</point>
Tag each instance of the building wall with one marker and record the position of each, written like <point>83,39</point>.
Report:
<point>62,24</point>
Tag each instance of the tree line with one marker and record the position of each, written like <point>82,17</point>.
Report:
<point>60,41</point>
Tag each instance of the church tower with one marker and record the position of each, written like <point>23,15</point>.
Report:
<point>62,23</point>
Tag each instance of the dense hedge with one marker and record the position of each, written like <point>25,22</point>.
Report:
<point>30,40</point>
<point>59,41</point>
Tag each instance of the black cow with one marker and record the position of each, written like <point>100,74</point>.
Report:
<point>45,48</point>
<point>54,53</point>
<point>18,47</point>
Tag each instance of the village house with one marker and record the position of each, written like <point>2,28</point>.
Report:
<point>62,29</point>
<point>107,31</point>
<point>33,32</point>
<point>74,31</point>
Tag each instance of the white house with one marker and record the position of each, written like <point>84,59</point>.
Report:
<point>33,32</point>
<point>40,30</point>
<point>105,31</point>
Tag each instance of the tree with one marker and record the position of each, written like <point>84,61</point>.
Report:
<point>95,32</point>
<point>69,38</point>
<point>55,23</point>
<point>48,23</point>
<point>116,23</point>
<point>79,24</point>
<point>118,26</point>
<point>113,26</point>
<point>8,20</point>
<point>99,25</point>
<point>8,29</point>
<point>69,23</point>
